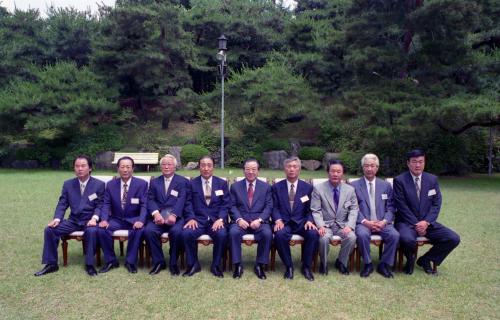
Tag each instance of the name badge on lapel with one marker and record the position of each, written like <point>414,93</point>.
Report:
<point>174,193</point>
<point>384,196</point>
<point>431,192</point>
<point>219,193</point>
<point>134,201</point>
<point>92,197</point>
<point>304,199</point>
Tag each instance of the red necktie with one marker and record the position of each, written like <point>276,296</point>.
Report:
<point>250,193</point>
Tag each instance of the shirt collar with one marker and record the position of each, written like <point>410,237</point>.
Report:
<point>127,182</point>
<point>204,181</point>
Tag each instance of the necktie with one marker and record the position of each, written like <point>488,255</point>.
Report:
<point>207,192</point>
<point>417,187</point>
<point>373,211</point>
<point>291,195</point>
<point>124,196</point>
<point>167,185</point>
<point>250,193</point>
<point>82,188</point>
<point>336,198</point>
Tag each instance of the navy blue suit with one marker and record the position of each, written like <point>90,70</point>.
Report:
<point>385,211</point>
<point>173,199</point>
<point>82,207</point>
<point>412,210</point>
<point>123,219</point>
<point>294,219</point>
<point>261,207</point>
<point>206,215</point>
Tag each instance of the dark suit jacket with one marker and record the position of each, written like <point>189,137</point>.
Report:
<point>82,207</point>
<point>383,200</point>
<point>301,212</point>
<point>175,197</point>
<point>410,209</point>
<point>220,201</point>
<point>133,212</point>
<point>262,203</point>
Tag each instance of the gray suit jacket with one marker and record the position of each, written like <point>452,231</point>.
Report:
<point>323,208</point>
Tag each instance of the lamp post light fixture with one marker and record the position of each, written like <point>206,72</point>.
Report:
<point>221,57</point>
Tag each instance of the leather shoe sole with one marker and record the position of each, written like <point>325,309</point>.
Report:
<point>91,271</point>
<point>307,274</point>
<point>192,271</point>
<point>259,272</point>
<point>238,272</point>
<point>131,268</point>
<point>382,270</point>
<point>157,268</point>
<point>109,266</point>
<point>49,268</point>
<point>426,265</point>
<point>367,270</point>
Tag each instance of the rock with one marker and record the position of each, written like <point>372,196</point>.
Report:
<point>311,165</point>
<point>103,160</point>
<point>191,166</point>
<point>274,159</point>
<point>25,164</point>
<point>176,152</point>
<point>329,156</point>
<point>294,146</point>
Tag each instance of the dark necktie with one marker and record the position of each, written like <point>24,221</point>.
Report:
<point>250,193</point>
<point>291,195</point>
<point>336,198</point>
<point>124,196</point>
<point>417,187</point>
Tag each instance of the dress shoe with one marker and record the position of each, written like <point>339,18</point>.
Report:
<point>109,266</point>
<point>384,270</point>
<point>216,271</point>
<point>340,266</point>
<point>157,268</point>
<point>191,271</point>
<point>410,264</point>
<point>367,270</point>
<point>238,271</point>
<point>131,267</point>
<point>426,265</point>
<point>307,273</point>
<point>259,271</point>
<point>323,269</point>
<point>47,269</point>
<point>174,270</point>
<point>288,273</point>
<point>91,271</point>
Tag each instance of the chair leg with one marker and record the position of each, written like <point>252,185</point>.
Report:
<point>380,250</point>
<point>357,259</point>
<point>273,257</point>
<point>121,248</point>
<point>141,254</point>
<point>98,255</point>
<point>64,245</point>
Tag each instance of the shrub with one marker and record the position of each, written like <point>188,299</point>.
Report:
<point>351,160</point>
<point>311,153</point>
<point>275,144</point>
<point>237,152</point>
<point>193,153</point>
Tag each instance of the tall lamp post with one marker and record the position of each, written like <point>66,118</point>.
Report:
<point>221,57</point>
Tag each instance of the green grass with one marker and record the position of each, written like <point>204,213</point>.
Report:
<point>468,285</point>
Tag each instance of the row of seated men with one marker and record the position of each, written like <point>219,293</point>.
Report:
<point>206,205</point>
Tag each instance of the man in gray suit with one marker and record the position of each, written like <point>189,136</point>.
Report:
<point>334,208</point>
<point>376,215</point>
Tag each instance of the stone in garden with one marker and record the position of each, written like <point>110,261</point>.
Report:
<point>274,159</point>
<point>311,165</point>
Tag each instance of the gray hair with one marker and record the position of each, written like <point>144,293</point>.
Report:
<point>370,156</point>
<point>292,159</point>
<point>169,157</point>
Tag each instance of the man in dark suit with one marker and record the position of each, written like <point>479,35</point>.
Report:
<point>252,204</point>
<point>83,195</point>
<point>166,199</point>
<point>418,201</point>
<point>124,208</point>
<point>376,214</point>
<point>292,215</point>
<point>206,214</point>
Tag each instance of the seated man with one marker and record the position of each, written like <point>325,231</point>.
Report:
<point>335,210</point>
<point>418,200</point>
<point>292,215</point>
<point>207,214</point>
<point>166,199</point>
<point>83,195</point>
<point>124,207</point>
<point>376,214</point>
<point>251,208</point>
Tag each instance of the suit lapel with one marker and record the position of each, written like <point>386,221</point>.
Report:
<point>342,196</point>
<point>379,204</point>
<point>364,192</point>
<point>329,195</point>
<point>285,196</point>
<point>413,191</point>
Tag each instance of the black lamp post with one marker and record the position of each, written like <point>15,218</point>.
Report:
<point>221,57</point>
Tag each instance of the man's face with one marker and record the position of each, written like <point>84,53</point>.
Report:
<point>167,167</point>
<point>292,170</point>
<point>251,171</point>
<point>82,169</point>
<point>125,169</point>
<point>335,174</point>
<point>206,168</point>
<point>416,165</point>
<point>370,169</point>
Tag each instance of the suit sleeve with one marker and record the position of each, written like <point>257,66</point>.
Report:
<point>63,203</point>
<point>268,208</point>
<point>353,210</point>
<point>143,200</point>
<point>106,206</point>
<point>235,212</point>
<point>307,206</point>
<point>436,200</point>
<point>276,204</point>
<point>389,204</point>
<point>360,200</point>
<point>188,206</point>
<point>401,203</point>
<point>316,210</point>
<point>100,198</point>
<point>226,202</point>
<point>152,205</point>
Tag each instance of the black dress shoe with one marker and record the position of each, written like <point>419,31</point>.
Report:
<point>157,268</point>
<point>174,270</point>
<point>91,271</point>
<point>367,270</point>
<point>131,267</point>
<point>238,271</point>
<point>49,268</point>
<point>426,265</point>
<point>340,266</point>
<point>323,269</point>
<point>307,273</point>
<point>216,271</point>
<point>384,270</point>
<point>109,266</point>
<point>259,271</point>
<point>288,273</point>
<point>410,264</point>
<point>191,271</point>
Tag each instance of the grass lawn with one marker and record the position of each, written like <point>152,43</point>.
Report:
<point>468,285</point>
